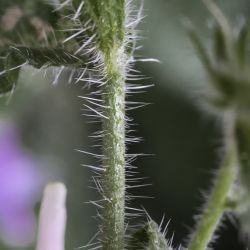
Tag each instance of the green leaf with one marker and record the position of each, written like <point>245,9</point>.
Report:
<point>201,50</point>
<point>225,83</point>
<point>220,50</point>
<point>148,237</point>
<point>230,82</point>
<point>45,57</point>
<point>8,78</point>
<point>12,60</point>
<point>242,45</point>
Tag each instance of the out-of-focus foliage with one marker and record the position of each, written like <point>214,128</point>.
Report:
<point>27,23</point>
<point>23,23</point>
<point>229,76</point>
<point>228,69</point>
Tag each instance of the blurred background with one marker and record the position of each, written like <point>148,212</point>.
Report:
<point>42,124</point>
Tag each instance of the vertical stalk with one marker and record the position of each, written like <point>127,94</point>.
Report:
<point>114,152</point>
<point>216,203</point>
<point>108,35</point>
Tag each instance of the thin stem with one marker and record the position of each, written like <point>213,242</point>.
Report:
<point>216,203</point>
<point>114,152</point>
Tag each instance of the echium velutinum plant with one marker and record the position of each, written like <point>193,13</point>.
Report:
<point>94,41</point>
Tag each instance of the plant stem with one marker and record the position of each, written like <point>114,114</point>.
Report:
<point>114,152</point>
<point>216,202</point>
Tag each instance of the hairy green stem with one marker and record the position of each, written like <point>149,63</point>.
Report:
<point>216,203</point>
<point>114,152</point>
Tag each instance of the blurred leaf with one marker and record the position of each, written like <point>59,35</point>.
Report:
<point>230,82</point>
<point>243,139</point>
<point>243,192</point>
<point>201,50</point>
<point>242,45</point>
<point>26,23</point>
<point>220,51</point>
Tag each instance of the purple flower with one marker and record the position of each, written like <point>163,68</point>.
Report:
<point>20,185</point>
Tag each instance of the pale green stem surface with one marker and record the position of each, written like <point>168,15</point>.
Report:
<point>114,153</point>
<point>215,207</point>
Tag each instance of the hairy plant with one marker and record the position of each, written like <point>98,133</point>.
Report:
<point>229,97</point>
<point>95,42</point>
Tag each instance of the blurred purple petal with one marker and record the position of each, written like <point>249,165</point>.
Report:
<point>20,184</point>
